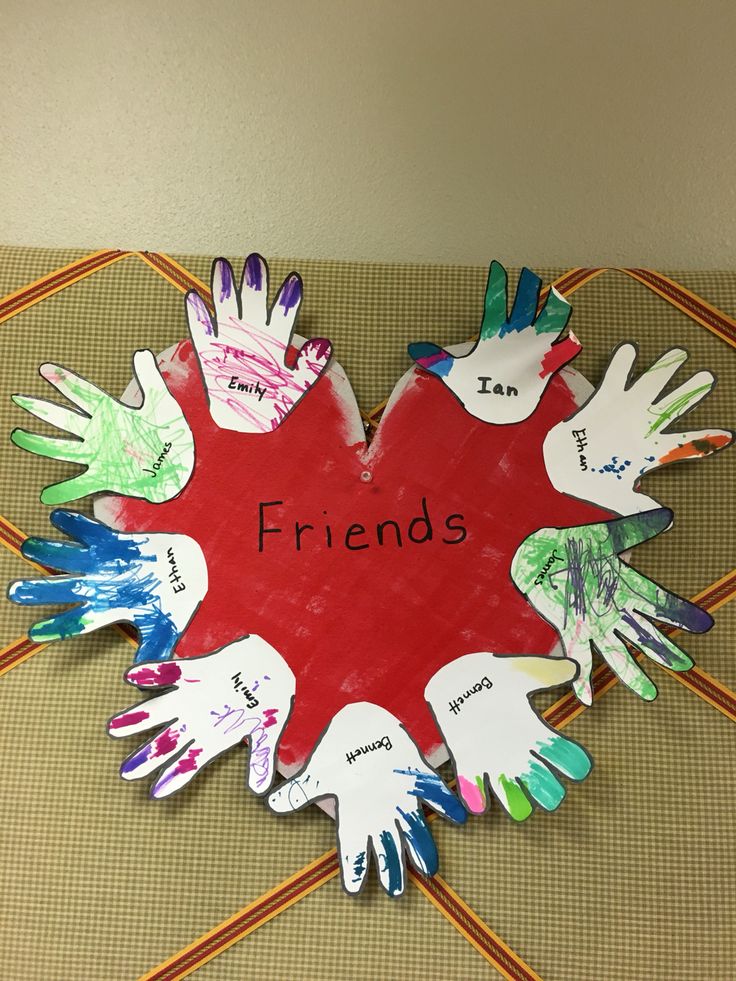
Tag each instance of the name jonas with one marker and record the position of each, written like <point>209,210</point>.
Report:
<point>357,536</point>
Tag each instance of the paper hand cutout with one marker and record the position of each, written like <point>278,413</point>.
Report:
<point>242,351</point>
<point>601,453</point>
<point>574,578</point>
<point>368,762</point>
<point>481,704</point>
<point>154,581</point>
<point>241,692</point>
<point>503,377</point>
<point>143,452</point>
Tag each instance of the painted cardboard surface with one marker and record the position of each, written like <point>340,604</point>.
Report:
<point>366,567</point>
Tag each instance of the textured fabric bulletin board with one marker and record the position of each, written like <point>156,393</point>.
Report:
<point>634,877</point>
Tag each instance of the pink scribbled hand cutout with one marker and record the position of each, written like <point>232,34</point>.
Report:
<point>241,692</point>
<point>242,351</point>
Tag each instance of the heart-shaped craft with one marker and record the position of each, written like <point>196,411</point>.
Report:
<point>368,567</point>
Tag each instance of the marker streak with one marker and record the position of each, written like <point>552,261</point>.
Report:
<point>128,719</point>
<point>696,447</point>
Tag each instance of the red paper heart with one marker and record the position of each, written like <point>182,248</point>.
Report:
<point>362,623</point>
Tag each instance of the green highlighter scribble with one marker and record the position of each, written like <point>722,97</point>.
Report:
<point>515,800</point>
<point>667,410</point>
<point>145,452</point>
<point>575,579</point>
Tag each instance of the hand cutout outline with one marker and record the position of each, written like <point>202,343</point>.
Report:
<point>602,451</point>
<point>366,760</point>
<point>503,377</point>
<point>155,581</point>
<point>242,692</point>
<point>575,579</point>
<point>242,351</point>
<point>482,705</point>
<point>144,451</point>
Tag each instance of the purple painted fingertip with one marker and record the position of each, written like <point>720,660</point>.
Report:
<point>224,278</point>
<point>200,311</point>
<point>129,766</point>
<point>254,271</point>
<point>291,293</point>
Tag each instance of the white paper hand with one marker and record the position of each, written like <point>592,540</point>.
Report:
<point>242,692</point>
<point>576,580</point>
<point>141,451</point>
<point>482,706</point>
<point>155,581</point>
<point>503,377</point>
<point>368,762</point>
<point>601,453</point>
<point>242,352</point>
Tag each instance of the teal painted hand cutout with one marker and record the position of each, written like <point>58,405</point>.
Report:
<point>495,736</point>
<point>503,377</point>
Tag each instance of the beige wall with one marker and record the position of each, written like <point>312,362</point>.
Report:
<point>561,132</point>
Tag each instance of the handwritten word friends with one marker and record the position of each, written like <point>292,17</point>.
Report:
<point>457,702</point>
<point>384,743</point>
<point>357,536</point>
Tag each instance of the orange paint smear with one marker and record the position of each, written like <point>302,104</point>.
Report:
<point>696,447</point>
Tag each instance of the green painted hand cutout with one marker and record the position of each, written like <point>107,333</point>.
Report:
<point>145,451</point>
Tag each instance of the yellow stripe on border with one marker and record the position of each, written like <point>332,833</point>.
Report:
<point>701,686</point>
<point>185,274</point>
<point>33,648</point>
<point>578,276</point>
<point>727,333</point>
<point>712,607</point>
<point>7,541</point>
<point>221,943</point>
<point>692,679</point>
<point>58,280</point>
<point>523,969</point>
<point>37,646</point>
<point>180,965</point>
